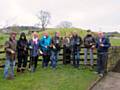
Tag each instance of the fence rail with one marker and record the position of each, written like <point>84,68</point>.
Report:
<point>113,57</point>
<point>60,55</point>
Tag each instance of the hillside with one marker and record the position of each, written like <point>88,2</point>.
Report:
<point>63,32</point>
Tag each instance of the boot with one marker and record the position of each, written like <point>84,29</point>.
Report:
<point>18,70</point>
<point>23,70</point>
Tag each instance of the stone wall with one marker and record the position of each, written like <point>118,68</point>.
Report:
<point>113,57</point>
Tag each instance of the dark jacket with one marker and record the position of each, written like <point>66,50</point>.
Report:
<point>10,46</point>
<point>75,43</point>
<point>22,45</point>
<point>89,39</point>
<point>105,42</point>
<point>56,42</point>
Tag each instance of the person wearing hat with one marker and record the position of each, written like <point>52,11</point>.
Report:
<point>102,46</point>
<point>10,49</point>
<point>34,51</point>
<point>45,43</point>
<point>22,52</point>
<point>55,49</point>
<point>89,44</point>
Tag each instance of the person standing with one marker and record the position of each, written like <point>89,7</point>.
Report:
<point>45,43</point>
<point>66,50</point>
<point>55,49</point>
<point>76,42</point>
<point>89,43</point>
<point>102,46</point>
<point>22,52</point>
<point>10,49</point>
<point>34,51</point>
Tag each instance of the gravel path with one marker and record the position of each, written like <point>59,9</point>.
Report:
<point>110,82</point>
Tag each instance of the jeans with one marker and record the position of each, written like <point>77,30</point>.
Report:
<point>102,62</point>
<point>76,59</point>
<point>54,58</point>
<point>33,63</point>
<point>9,64</point>
<point>91,56</point>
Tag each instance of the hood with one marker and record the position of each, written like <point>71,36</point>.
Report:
<point>22,36</point>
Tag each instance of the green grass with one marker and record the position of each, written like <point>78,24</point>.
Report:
<point>63,32</point>
<point>80,32</point>
<point>64,78</point>
<point>115,42</point>
<point>68,31</point>
<point>3,38</point>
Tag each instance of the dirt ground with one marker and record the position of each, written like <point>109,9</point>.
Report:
<point>110,82</point>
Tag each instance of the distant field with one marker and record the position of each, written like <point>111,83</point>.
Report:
<point>63,32</point>
<point>115,42</point>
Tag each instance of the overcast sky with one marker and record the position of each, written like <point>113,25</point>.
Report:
<point>98,15</point>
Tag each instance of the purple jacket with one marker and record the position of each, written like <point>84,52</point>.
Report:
<point>34,48</point>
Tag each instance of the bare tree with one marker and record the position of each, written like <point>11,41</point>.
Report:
<point>44,19</point>
<point>65,24</point>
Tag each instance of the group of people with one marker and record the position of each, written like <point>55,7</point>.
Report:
<point>49,47</point>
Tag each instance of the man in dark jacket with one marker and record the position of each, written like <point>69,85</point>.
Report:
<point>102,46</point>
<point>89,43</point>
<point>55,48</point>
<point>76,42</point>
<point>10,49</point>
<point>22,49</point>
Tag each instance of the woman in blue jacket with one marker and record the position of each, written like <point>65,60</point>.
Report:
<point>45,43</point>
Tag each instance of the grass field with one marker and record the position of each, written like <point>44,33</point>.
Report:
<point>115,42</point>
<point>63,78</point>
<point>63,32</point>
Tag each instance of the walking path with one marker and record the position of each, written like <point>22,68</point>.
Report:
<point>110,82</point>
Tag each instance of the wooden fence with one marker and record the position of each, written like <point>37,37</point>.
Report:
<point>61,57</point>
<point>113,57</point>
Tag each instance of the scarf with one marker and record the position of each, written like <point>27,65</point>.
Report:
<point>35,40</point>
